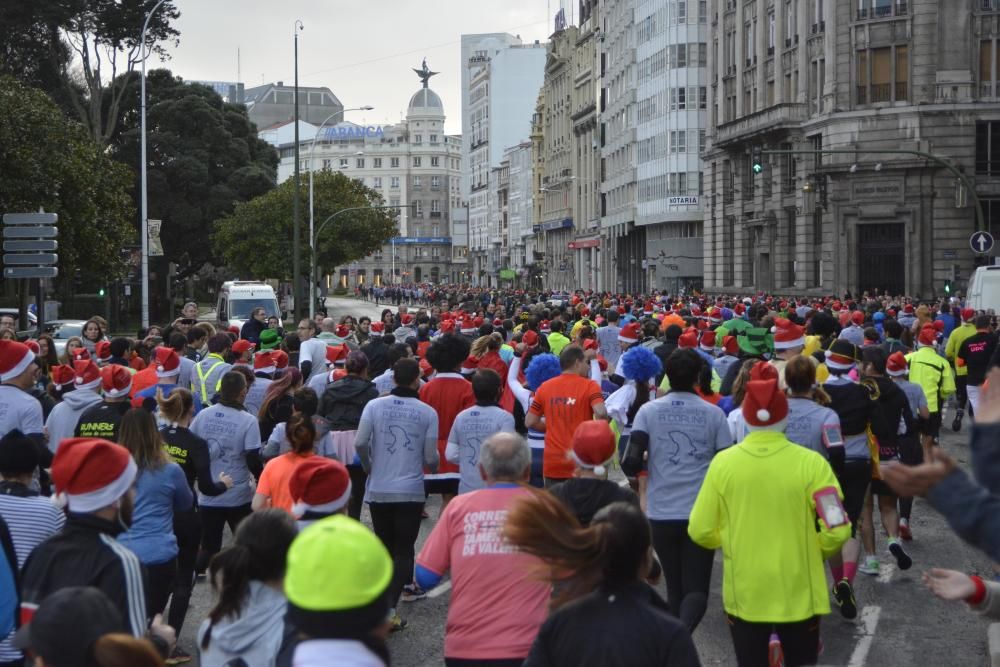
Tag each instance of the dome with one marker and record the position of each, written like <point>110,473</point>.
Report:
<point>426,99</point>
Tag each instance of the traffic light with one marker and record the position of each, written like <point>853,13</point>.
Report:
<point>947,287</point>
<point>100,292</point>
<point>756,159</point>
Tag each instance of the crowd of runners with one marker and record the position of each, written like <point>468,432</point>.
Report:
<point>769,429</point>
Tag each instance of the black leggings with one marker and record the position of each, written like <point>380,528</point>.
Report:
<point>398,526</point>
<point>799,641</point>
<point>854,483</point>
<point>911,453</point>
<point>160,578</point>
<point>213,522</point>
<point>187,528</point>
<point>687,569</point>
<point>358,480</point>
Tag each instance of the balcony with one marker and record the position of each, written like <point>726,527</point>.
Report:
<point>770,119</point>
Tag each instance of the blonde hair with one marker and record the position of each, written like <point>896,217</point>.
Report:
<point>484,344</point>
<point>175,406</point>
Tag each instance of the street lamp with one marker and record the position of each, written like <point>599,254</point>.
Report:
<point>296,225</point>
<point>144,222</point>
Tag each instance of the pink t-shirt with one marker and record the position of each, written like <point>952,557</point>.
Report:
<point>497,601</point>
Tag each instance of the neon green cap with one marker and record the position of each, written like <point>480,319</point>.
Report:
<point>336,564</point>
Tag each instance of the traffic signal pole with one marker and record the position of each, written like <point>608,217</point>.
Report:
<point>980,219</point>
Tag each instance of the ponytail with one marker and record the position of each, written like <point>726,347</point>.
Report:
<point>175,406</point>
<point>609,553</point>
<point>291,378</point>
<point>233,586</point>
<point>301,433</point>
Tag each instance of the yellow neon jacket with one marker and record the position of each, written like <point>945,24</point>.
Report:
<point>933,374</point>
<point>958,336</point>
<point>756,503</point>
<point>557,342</point>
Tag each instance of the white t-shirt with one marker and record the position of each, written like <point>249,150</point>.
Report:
<point>19,410</point>
<point>313,350</point>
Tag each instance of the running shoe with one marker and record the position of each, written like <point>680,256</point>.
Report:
<point>412,593</point>
<point>775,655</point>
<point>178,657</point>
<point>844,593</point>
<point>903,559</point>
<point>956,424</point>
<point>396,623</point>
<point>869,566</point>
<point>904,531</point>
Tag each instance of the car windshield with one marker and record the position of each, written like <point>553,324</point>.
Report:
<point>240,309</point>
<point>64,330</point>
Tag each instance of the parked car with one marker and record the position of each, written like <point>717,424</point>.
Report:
<point>557,299</point>
<point>61,331</point>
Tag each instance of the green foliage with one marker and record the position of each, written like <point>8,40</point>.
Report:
<point>50,162</point>
<point>203,155</point>
<point>256,239</point>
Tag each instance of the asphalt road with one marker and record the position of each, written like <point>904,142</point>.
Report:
<point>899,622</point>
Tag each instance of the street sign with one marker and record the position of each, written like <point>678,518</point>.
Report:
<point>30,218</point>
<point>155,245</point>
<point>981,242</point>
<point>31,246</point>
<point>31,272</point>
<point>30,232</point>
<point>32,259</point>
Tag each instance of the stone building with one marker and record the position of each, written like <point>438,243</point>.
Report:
<point>838,86</point>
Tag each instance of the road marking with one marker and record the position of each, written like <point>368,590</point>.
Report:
<point>439,590</point>
<point>886,572</point>
<point>867,625</point>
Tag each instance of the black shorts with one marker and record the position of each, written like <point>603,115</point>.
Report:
<point>911,452</point>
<point>880,488</point>
<point>854,483</point>
<point>446,485</point>
<point>932,426</point>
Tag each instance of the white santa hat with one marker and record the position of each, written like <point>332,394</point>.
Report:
<point>14,359</point>
<point>320,485</point>
<point>90,474</point>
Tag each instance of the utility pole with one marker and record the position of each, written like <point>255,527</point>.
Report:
<point>296,223</point>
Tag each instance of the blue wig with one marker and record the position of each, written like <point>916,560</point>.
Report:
<point>543,367</point>
<point>639,364</point>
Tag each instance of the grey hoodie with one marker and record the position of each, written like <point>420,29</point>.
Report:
<point>255,636</point>
<point>63,418</point>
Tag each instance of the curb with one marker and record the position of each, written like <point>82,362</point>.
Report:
<point>993,637</point>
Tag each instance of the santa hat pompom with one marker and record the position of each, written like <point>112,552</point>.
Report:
<point>59,500</point>
<point>763,415</point>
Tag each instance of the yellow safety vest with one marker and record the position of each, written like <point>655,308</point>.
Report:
<point>202,377</point>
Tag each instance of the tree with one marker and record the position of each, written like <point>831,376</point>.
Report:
<point>256,239</point>
<point>203,155</point>
<point>51,163</point>
<point>77,50</point>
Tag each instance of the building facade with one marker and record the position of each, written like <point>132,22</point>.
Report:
<point>500,79</point>
<point>827,91</point>
<point>412,164</point>
<point>274,103</point>
<point>521,210</point>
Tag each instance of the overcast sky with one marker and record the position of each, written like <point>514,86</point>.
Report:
<point>363,51</point>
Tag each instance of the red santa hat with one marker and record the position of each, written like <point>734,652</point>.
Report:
<point>896,364</point>
<point>447,326</point>
<point>467,326</point>
<point>470,365</point>
<point>343,331</point>
<point>90,474</point>
<point>168,364</point>
<point>730,345</point>
<point>63,376</point>
<point>688,339</point>
<point>405,319</point>
<point>477,322</point>
<point>707,341</point>
<point>928,336</point>
<point>319,484</point>
<point>630,333</point>
<point>33,345</point>
<point>103,351</point>
<point>425,368</point>
<point>80,353</point>
<point>15,358</point>
<point>739,309</point>
<point>263,362</point>
<point>545,326</point>
<point>842,355</point>
<point>968,314</point>
<point>715,315</point>
<point>336,354</point>
<point>858,317</point>
<point>241,346</point>
<point>377,327</point>
<point>280,359</point>
<point>86,374</point>
<point>497,322</point>
<point>116,381</point>
<point>787,334</point>
<point>764,405</point>
<point>763,371</point>
<point>530,338</point>
<point>908,309</point>
<point>233,329</point>
<point>593,446</point>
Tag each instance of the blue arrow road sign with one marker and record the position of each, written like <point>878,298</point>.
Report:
<point>981,242</point>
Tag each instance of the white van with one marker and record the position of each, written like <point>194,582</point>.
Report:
<point>238,298</point>
<point>984,289</point>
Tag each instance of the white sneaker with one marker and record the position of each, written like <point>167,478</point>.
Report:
<point>870,566</point>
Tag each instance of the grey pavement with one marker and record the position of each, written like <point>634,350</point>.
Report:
<point>899,622</point>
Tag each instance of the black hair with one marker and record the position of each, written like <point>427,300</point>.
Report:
<point>396,352</point>
<point>557,325</point>
<point>219,343</point>
<point>672,332</point>
<point>823,325</point>
<point>570,356</point>
<point>892,329</point>
<point>982,322</point>
<point>486,329</point>
<point>611,316</point>
<point>230,386</point>
<point>405,372</point>
<point>876,356</point>
<point>357,362</point>
<point>257,553</point>
<point>305,401</point>
<point>18,454</point>
<point>120,346</point>
<point>177,341</point>
<point>195,334</point>
<point>486,386</point>
<point>292,342</point>
<point>682,368</point>
<point>447,352</point>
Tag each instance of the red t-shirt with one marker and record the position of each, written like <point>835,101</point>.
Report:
<point>448,394</point>
<point>565,402</point>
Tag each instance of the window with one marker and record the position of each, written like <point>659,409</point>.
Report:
<point>434,162</point>
<point>988,148</point>
<point>377,182</point>
<point>678,142</point>
<point>703,97</point>
<point>418,139</point>
<point>344,163</point>
<point>902,72</point>
<point>328,164</point>
<point>360,163</point>
<point>416,162</point>
<point>682,11</point>
<point>416,183</point>
<point>436,206</point>
<point>418,206</point>
<point>701,141</point>
<point>681,98</point>
<point>883,74</point>
<point>377,162</point>
<point>702,11</point>
<point>790,236</point>
<point>394,182</point>
<point>770,33</point>
<point>791,27</point>
<point>394,162</point>
<point>435,182</point>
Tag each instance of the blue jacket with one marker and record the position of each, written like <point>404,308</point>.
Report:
<point>159,493</point>
<point>973,511</point>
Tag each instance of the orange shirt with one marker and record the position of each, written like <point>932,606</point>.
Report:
<point>143,379</point>
<point>274,480</point>
<point>564,401</point>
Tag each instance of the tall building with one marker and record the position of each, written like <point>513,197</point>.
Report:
<point>862,78</point>
<point>520,193</point>
<point>275,103</point>
<point>411,164</point>
<point>500,79</point>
